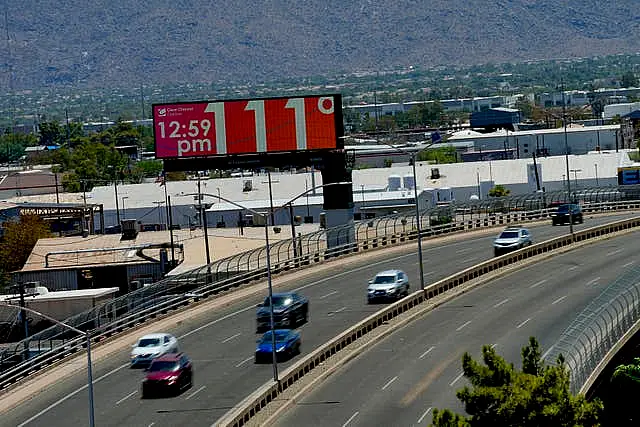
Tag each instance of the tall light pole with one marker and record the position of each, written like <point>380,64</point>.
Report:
<point>413,159</point>
<point>596,166</point>
<point>87,336</point>
<point>268,254</point>
<point>566,156</point>
<point>115,187</point>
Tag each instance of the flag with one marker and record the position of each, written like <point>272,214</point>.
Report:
<point>435,137</point>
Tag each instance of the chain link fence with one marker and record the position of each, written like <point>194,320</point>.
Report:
<point>597,329</point>
<point>221,275</point>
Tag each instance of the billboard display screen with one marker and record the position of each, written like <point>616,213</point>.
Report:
<point>235,127</point>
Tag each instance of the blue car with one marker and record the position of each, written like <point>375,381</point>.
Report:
<point>287,345</point>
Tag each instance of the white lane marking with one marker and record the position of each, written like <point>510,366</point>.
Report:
<point>617,251</point>
<point>558,300</point>
<point>546,353</point>
<point>455,380</point>
<point>329,294</point>
<point>593,282</point>
<point>429,350</point>
<point>350,419</point>
<point>464,261</point>
<point>337,311</point>
<point>126,397</point>
<point>461,251</point>
<point>628,264</point>
<point>428,273</point>
<point>196,392</point>
<point>231,337</point>
<point>225,317</point>
<point>424,415</point>
<point>523,323</point>
<point>213,322</point>
<point>152,424</point>
<point>70,395</point>
<point>573,267</point>
<point>504,301</point>
<point>535,285</point>
<point>463,325</point>
<point>384,387</point>
<point>244,361</point>
<point>494,345</point>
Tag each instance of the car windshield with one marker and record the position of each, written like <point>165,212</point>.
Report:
<point>280,336</point>
<point>149,342</point>
<point>164,366</point>
<point>278,301</point>
<point>563,208</point>
<point>509,235</point>
<point>384,279</point>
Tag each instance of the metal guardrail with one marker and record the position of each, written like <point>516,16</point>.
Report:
<point>254,403</point>
<point>55,343</point>
<point>599,329</point>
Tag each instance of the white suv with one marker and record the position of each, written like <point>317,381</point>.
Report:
<point>389,284</point>
<point>511,239</point>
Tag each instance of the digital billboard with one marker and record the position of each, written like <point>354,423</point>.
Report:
<point>250,126</point>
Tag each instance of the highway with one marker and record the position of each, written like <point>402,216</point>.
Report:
<point>221,344</point>
<point>399,381</point>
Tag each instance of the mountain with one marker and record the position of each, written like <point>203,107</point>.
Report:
<point>127,43</point>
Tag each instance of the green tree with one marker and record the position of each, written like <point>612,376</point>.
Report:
<point>628,79</point>
<point>51,133</point>
<point>621,394</point>
<point>501,395</point>
<point>439,155</point>
<point>18,240</point>
<point>499,191</point>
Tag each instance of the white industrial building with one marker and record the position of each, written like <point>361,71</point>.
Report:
<point>613,110</point>
<point>546,142</point>
<point>376,191</point>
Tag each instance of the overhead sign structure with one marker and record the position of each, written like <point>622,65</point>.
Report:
<point>251,126</point>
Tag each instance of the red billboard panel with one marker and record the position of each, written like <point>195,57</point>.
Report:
<point>218,128</point>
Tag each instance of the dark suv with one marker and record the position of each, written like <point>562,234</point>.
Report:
<point>566,211</point>
<point>289,309</point>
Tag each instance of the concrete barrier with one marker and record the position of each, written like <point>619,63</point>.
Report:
<point>250,406</point>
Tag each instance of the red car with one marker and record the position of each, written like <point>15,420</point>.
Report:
<point>169,373</point>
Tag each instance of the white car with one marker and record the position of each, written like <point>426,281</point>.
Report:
<point>151,346</point>
<point>389,284</point>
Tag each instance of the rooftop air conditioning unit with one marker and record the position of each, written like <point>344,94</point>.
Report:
<point>129,230</point>
<point>247,185</point>
<point>435,173</point>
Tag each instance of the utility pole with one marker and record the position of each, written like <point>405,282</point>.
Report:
<point>173,254</point>
<point>566,157</point>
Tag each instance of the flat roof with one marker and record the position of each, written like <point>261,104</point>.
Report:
<point>58,295</point>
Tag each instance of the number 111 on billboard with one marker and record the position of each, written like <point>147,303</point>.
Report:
<point>246,126</point>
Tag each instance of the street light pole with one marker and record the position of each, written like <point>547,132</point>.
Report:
<point>415,195</point>
<point>566,157</point>
<point>596,166</point>
<point>414,158</point>
<point>274,354</point>
<point>268,255</point>
<point>87,336</point>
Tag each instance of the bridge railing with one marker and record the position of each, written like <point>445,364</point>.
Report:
<point>50,345</point>
<point>598,329</point>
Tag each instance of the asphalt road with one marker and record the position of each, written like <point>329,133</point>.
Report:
<point>402,378</point>
<point>222,344</point>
